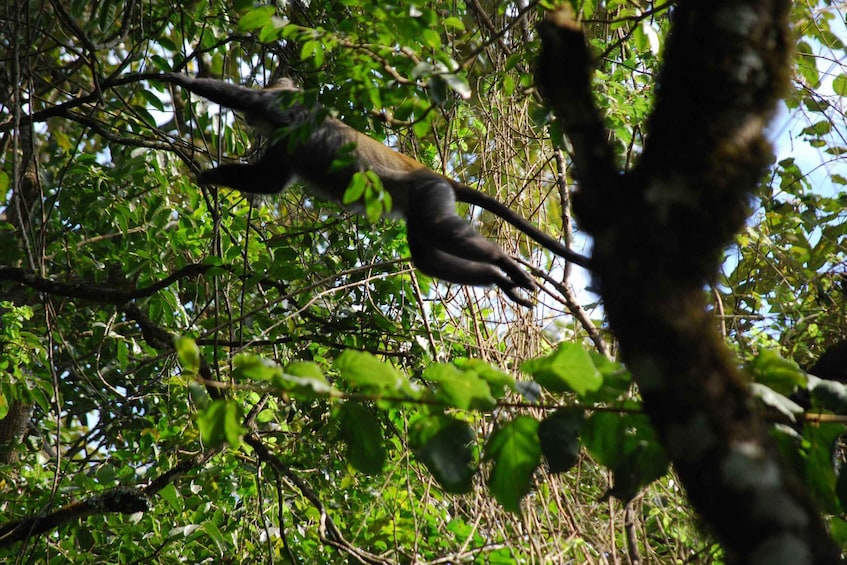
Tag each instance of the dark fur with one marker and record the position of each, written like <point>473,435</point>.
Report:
<point>305,143</point>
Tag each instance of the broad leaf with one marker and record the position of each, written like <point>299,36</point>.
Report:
<point>363,434</point>
<point>559,437</point>
<point>220,422</point>
<point>461,389</point>
<point>567,369</point>
<point>626,444</point>
<point>515,451</point>
<point>443,444</point>
<point>361,369</point>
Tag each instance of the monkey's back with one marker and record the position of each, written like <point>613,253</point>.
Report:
<point>333,152</point>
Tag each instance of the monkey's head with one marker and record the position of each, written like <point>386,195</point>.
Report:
<point>284,107</point>
<point>283,84</point>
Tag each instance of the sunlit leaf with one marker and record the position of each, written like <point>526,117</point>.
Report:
<point>569,368</point>
<point>782,375</point>
<point>255,18</point>
<point>220,422</point>
<point>188,354</point>
<point>363,370</point>
<point>462,389</point>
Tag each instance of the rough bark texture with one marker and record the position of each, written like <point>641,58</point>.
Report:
<point>26,191</point>
<point>12,427</point>
<point>658,231</point>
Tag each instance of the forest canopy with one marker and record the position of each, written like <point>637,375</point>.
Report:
<point>191,374</point>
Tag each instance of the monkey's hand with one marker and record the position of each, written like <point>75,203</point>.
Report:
<point>517,278</point>
<point>510,292</point>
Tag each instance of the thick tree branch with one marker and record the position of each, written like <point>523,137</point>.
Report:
<point>90,98</point>
<point>658,231</point>
<point>566,84</point>
<point>103,294</point>
<point>126,500</point>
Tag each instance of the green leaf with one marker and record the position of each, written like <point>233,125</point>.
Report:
<point>444,445</point>
<point>366,187</point>
<point>255,368</point>
<point>461,389</point>
<point>605,437</point>
<point>362,369</point>
<point>777,401</point>
<point>313,49</point>
<point>272,30</point>
<point>304,387</point>
<point>216,536</point>
<point>516,452</point>
<point>356,189</point>
<point>152,99</point>
<point>839,85</point>
<point>828,395</point>
<point>782,375</point>
<point>188,354</point>
<point>145,115</point>
<point>498,381</point>
<point>170,495</point>
<point>806,64</point>
<point>508,84</point>
<point>302,379</point>
<point>377,193</point>
<point>220,422</point>
<point>822,127</point>
<point>841,488</point>
<point>559,437</point>
<point>423,126</point>
<point>363,434</point>
<point>569,368</point>
<point>430,38</point>
<point>838,528</point>
<point>818,447</point>
<point>387,201</point>
<point>626,444</point>
<point>305,369</point>
<point>616,379</point>
<point>454,23</point>
<point>256,18</point>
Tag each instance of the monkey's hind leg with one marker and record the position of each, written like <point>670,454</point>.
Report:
<point>455,236</point>
<point>439,264</point>
<point>435,220</point>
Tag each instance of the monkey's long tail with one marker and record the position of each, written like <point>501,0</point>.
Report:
<point>470,196</point>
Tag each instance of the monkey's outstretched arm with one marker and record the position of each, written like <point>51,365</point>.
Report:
<point>255,178</point>
<point>468,195</point>
<point>263,103</point>
<point>233,96</point>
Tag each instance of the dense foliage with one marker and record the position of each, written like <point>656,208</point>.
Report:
<point>187,375</point>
